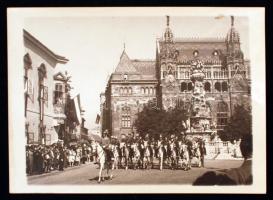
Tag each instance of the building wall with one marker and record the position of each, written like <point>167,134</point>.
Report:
<point>33,109</point>
<point>134,101</point>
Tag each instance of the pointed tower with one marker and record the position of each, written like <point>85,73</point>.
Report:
<point>235,57</point>
<point>168,68</point>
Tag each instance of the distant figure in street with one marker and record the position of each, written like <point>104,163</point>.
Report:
<point>237,176</point>
<point>61,159</point>
<point>202,153</point>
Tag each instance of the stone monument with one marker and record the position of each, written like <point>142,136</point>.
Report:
<point>200,111</point>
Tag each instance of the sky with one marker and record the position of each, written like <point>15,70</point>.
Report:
<point>94,44</point>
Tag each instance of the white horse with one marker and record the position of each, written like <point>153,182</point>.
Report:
<point>173,156</point>
<point>147,157</point>
<point>125,151</point>
<point>116,161</point>
<point>161,154</point>
<point>137,155</point>
<point>196,155</point>
<point>102,160</point>
<point>184,156</point>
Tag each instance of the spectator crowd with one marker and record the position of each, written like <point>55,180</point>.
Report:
<point>46,158</point>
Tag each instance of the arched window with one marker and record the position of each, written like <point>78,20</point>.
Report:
<point>207,87</point>
<point>217,87</point>
<point>224,87</point>
<point>151,90</point>
<point>121,90</point>
<point>125,91</point>
<point>142,90</point>
<point>189,86</point>
<point>146,90</point>
<point>183,86</point>
<point>130,90</point>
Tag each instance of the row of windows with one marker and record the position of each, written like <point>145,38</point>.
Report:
<point>185,74</point>
<point>218,86</point>
<point>222,114</point>
<point>148,90</point>
<point>125,90</point>
<point>144,90</point>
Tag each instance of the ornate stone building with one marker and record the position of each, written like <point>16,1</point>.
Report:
<point>167,79</point>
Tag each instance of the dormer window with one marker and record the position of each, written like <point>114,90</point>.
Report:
<point>195,53</point>
<point>125,77</point>
<point>215,53</point>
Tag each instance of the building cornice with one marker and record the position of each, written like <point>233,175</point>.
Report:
<point>37,43</point>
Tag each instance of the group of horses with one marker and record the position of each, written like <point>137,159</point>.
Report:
<point>146,155</point>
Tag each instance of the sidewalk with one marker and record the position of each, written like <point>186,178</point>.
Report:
<point>58,172</point>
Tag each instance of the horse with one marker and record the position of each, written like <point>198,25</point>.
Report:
<point>161,155</point>
<point>184,156</point>
<point>136,159</point>
<point>147,156</point>
<point>196,155</point>
<point>116,161</point>
<point>125,154</point>
<point>103,161</point>
<point>173,155</point>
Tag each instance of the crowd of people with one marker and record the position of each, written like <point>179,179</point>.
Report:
<point>46,158</point>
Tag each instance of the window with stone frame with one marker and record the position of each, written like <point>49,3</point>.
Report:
<point>222,114</point>
<point>58,93</point>
<point>126,117</point>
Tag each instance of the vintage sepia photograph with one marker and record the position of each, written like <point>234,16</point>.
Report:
<point>136,100</point>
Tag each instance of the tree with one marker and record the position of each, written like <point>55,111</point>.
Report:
<point>155,121</point>
<point>239,124</point>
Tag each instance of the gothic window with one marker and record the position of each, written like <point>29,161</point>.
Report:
<point>183,86</point>
<point>224,87</point>
<point>207,87</point>
<point>125,117</point>
<point>189,86</point>
<point>58,93</point>
<point>217,86</point>
<point>222,114</point>
<point>121,90</point>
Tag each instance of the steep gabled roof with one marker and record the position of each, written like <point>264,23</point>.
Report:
<point>145,67</point>
<point>125,65</point>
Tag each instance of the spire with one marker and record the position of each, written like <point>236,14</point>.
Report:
<point>168,20</point>
<point>233,35</point>
<point>124,46</point>
<point>168,35</point>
